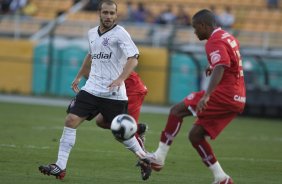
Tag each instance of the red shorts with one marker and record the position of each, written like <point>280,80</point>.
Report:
<point>134,105</point>
<point>214,118</point>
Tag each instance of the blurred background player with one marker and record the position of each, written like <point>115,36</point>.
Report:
<point>216,107</point>
<point>112,56</point>
<point>136,92</point>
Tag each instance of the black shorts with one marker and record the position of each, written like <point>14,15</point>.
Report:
<point>88,105</point>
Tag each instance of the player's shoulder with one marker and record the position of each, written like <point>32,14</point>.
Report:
<point>93,30</point>
<point>218,38</point>
<point>120,28</point>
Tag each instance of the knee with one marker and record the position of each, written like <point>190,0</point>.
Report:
<point>174,110</point>
<point>103,125</point>
<point>193,137</point>
<point>71,121</point>
<point>196,135</point>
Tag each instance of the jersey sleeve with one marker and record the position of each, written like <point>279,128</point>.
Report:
<point>127,45</point>
<point>217,54</point>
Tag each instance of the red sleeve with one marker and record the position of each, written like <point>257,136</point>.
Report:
<point>217,54</point>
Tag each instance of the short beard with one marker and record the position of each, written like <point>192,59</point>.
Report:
<point>105,26</point>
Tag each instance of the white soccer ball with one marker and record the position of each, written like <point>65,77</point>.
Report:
<point>123,127</point>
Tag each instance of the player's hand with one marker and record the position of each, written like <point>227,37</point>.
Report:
<point>115,85</point>
<point>202,104</point>
<point>74,85</point>
<point>208,71</point>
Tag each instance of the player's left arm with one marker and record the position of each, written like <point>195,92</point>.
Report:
<point>131,63</point>
<point>128,68</point>
<point>131,52</point>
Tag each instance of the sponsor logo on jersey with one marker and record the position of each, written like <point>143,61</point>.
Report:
<point>225,35</point>
<point>102,55</point>
<point>240,98</point>
<point>105,41</point>
<point>215,57</point>
<point>190,96</point>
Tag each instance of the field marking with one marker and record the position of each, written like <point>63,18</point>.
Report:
<point>63,102</point>
<point>24,146</point>
<point>250,159</point>
<point>97,129</point>
<point>114,152</point>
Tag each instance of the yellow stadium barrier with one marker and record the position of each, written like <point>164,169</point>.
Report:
<point>152,68</point>
<point>15,66</point>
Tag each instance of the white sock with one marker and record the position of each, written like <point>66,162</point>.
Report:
<point>162,151</point>
<point>66,143</point>
<point>218,172</point>
<point>133,145</point>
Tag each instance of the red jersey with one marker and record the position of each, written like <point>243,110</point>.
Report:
<point>223,49</point>
<point>134,85</point>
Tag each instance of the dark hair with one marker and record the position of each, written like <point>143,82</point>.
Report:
<point>205,17</point>
<point>108,2</point>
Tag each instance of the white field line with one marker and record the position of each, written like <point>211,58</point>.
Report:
<point>261,138</point>
<point>65,102</point>
<point>114,152</point>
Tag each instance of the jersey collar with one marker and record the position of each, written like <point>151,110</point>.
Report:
<point>100,34</point>
<point>214,31</point>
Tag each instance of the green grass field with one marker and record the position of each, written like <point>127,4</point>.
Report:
<point>250,150</point>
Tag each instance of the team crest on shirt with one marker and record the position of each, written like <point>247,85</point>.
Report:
<point>215,57</point>
<point>190,96</point>
<point>105,41</point>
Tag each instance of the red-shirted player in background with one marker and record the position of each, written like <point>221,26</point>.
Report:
<point>216,107</point>
<point>136,92</point>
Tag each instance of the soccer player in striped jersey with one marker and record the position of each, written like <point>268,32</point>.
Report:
<point>112,56</point>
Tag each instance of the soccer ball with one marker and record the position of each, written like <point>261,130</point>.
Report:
<point>123,127</point>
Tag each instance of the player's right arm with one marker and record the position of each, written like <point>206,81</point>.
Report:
<point>208,71</point>
<point>216,77</point>
<point>83,72</point>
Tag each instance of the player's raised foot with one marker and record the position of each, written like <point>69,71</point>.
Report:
<point>54,170</point>
<point>142,128</point>
<point>145,167</point>
<point>156,162</point>
<point>227,180</point>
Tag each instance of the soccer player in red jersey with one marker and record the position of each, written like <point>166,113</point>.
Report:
<point>215,107</point>
<point>136,92</point>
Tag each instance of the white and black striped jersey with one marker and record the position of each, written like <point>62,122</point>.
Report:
<point>109,52</point>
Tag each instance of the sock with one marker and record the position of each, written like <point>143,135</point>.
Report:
<point>162,151</point>
<point>133,145</point>
<point>140,142</point>
<point>205,151</point>
<point>172,128</point>
<point>218,172</point>
<point>67,141</point>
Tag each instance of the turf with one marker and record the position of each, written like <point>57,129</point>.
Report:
<point>250,150</point>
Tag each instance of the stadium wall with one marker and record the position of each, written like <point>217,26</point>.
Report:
<point>16,66</point>
<point>27,68</point>
<point>152,68</point>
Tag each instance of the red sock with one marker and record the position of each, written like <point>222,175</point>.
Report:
<point>172,128</point>
<point>205,151</point>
